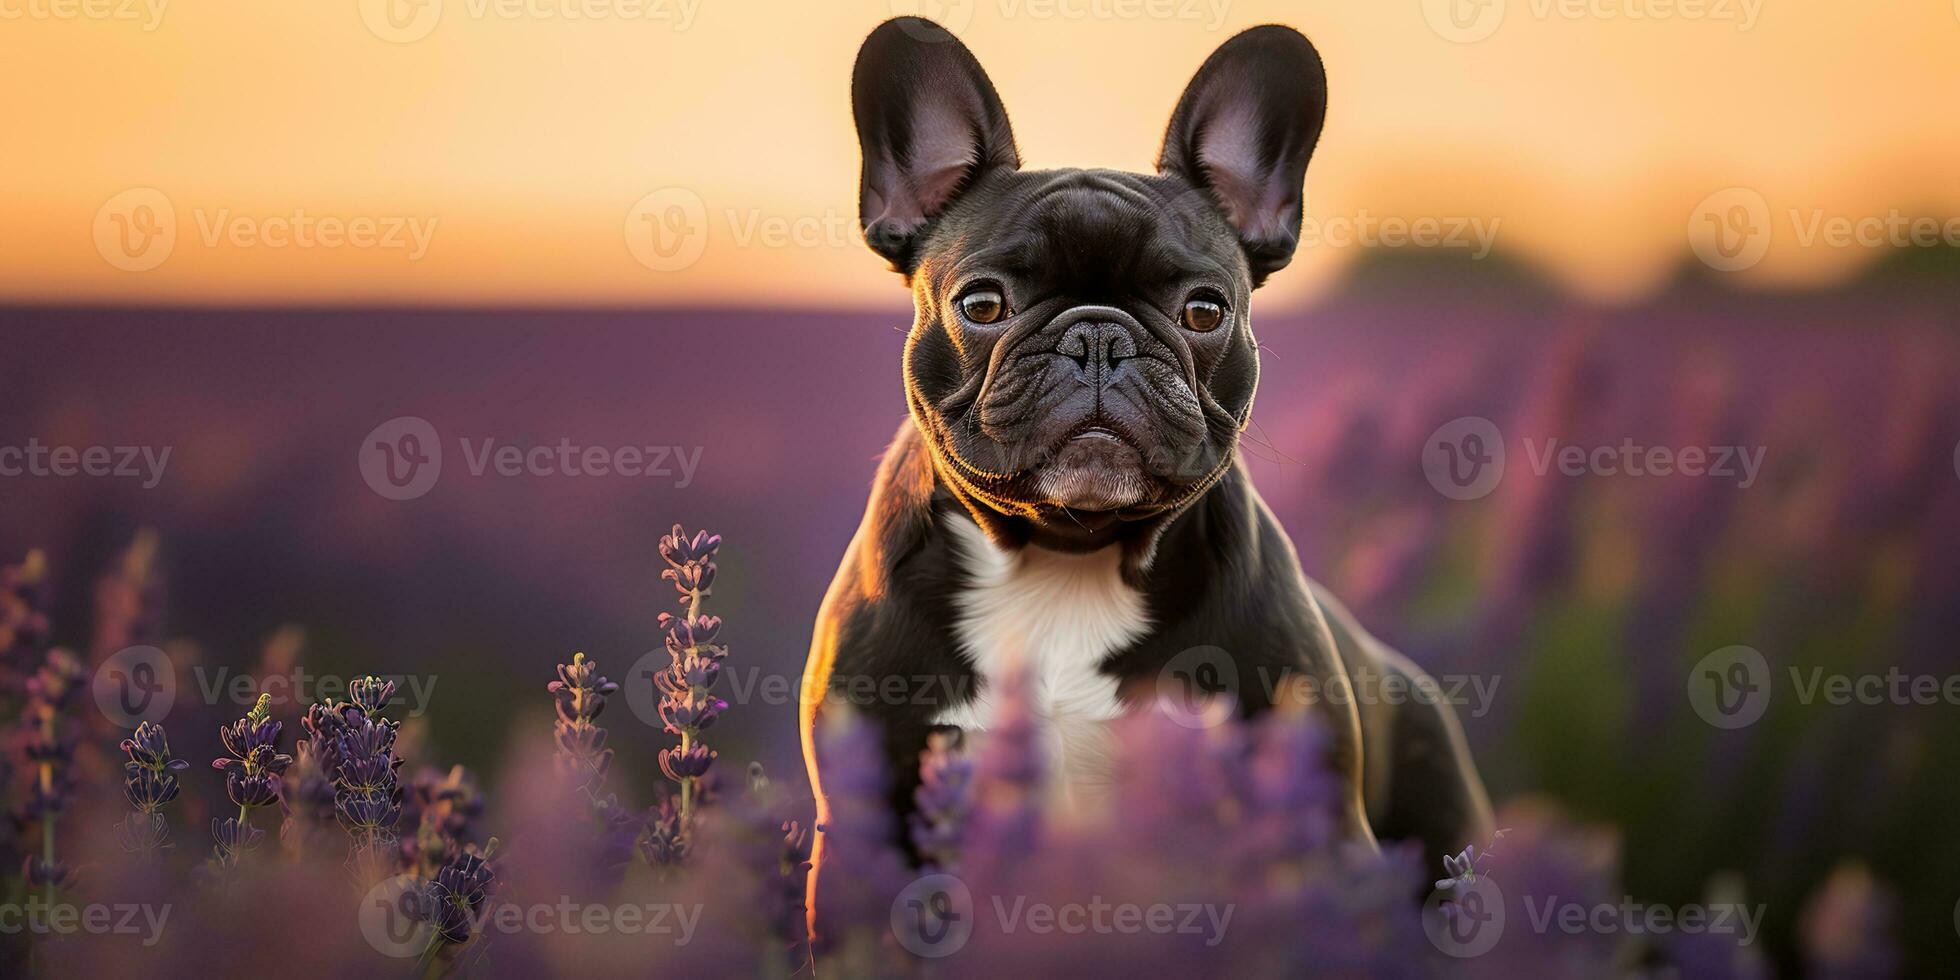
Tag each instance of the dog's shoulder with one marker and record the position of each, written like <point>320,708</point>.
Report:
<point>898,518</point>
<point>891,596</point>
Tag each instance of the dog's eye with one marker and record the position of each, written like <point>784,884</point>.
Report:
<point>983,305</point>
<point>1204,312</point>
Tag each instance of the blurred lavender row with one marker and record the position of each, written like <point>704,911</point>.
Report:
<point>1587,600</point>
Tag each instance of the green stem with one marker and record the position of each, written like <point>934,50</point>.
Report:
<point>431,961</point>
<point>244,833</point>
<point>687,788</point>
<point>48,819</point>
<point>687,740</point>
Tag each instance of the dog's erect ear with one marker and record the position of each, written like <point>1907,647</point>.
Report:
<point>929,122</point>
<point>1243,132</point>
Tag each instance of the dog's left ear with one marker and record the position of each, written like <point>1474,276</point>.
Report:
<point>930,124</point>
<point>1243,132</point>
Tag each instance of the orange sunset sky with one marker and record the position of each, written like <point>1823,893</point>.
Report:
<point>700,151</point>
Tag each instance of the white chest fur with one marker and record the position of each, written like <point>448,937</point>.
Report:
<point>1059,615</point>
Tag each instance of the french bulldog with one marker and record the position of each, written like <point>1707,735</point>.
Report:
<point>1066,502</point>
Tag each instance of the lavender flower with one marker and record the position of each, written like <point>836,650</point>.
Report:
<point>128,599</point>
<point>688,705</point>
<point>663,844</point>
<point>251,779</point>
<point>581,692</point>
<point>441,807</point>
<point>790,921</point>
<point>355,744</point>
<point>861,871</point>
<point>945,799</point>
<point>50,875</point>
<point>23,618</point>
<point>1461,868</point>
<point>48,746</point>
<point>1847,927</point>
<point>452,901</point>
<point>582,755</point>
<point>1005,827</point>
<point>306,795</point>
<point>775,853</point>
<point>149,782</point>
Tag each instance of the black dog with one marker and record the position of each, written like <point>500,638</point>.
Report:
<point>1066,496</point>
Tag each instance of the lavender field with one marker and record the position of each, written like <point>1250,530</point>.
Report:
<point>1583,615</point>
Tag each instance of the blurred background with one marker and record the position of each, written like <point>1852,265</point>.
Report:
<point>258,237</point>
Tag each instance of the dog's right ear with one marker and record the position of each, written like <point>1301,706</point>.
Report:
<point>930,124</point>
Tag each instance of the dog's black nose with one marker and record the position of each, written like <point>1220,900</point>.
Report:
<point>1098,349</point>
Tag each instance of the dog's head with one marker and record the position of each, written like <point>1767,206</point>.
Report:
<point>1082,360</point>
